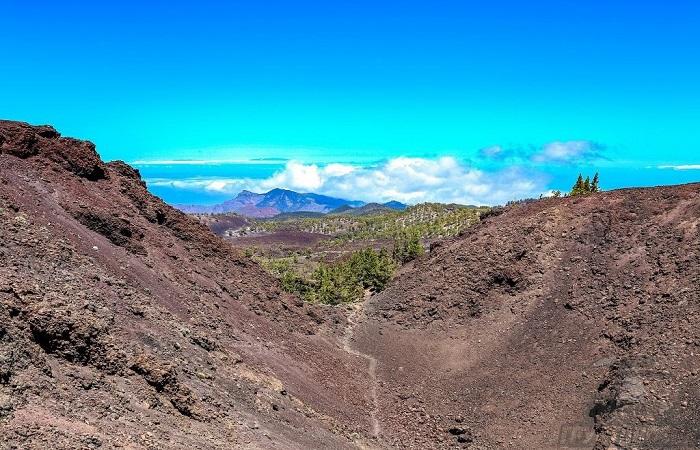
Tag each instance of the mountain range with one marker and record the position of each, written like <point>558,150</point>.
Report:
<point>279,201</point>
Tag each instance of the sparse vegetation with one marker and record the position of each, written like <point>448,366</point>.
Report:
<point>428,220</point>
<point>342,282</point>
<point>363,252</point>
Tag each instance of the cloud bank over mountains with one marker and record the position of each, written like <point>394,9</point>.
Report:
<point>510,173</point>
<point>409,180</point>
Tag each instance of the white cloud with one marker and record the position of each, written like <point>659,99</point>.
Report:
<point>681,167</point>
<point>338,169</point>
<point>567,152</point>
<point>301,176</point>
<point>410,180</point>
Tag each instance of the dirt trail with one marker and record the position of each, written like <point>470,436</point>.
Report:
<point>358,310</point>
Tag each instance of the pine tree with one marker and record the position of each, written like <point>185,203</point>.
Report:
<point>578,187</point>
<point>587,185</point>
<point>407,246</point>
<point>594,184</point>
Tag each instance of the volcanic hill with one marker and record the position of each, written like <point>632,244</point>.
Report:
<point>561,323</point>
<point>126,323</point>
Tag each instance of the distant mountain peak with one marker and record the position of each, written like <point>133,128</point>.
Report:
<point>393,204</point>
<point>245,195</point>
<point>274,202</point>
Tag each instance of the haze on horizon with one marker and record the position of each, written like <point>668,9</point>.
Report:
<point>447,101</point>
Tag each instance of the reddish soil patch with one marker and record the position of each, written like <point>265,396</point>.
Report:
<point>220,223</point>
<point>287,238</point>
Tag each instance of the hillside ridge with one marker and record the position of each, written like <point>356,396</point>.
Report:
<point>126,323</point>
<point>556,323</point>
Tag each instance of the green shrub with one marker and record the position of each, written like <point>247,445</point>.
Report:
<point>371,268</point>
<point>407,246</point>
<point>334,285</point>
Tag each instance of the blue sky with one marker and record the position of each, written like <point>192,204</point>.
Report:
<point>376,90</point>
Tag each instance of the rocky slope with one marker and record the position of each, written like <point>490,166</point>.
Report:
<point>564,323</point>
<point>127,324</point>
